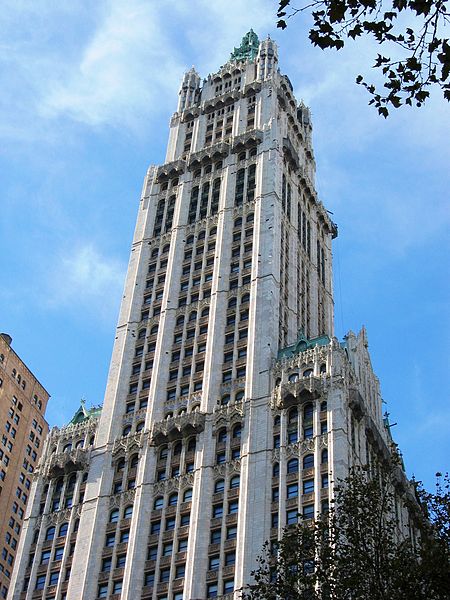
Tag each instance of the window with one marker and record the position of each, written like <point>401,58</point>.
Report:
<point>128,512</point>
<point>211,590</point>
<point>164,575</point>
<point>50,534</point>
<point>232,532</point>
<point>234,482</point>
<point>324,457</point>
<point>106,564</point>
<point>40,582</point>
<point>291,517</point>
<point>292,490</point>
<point>54,578</point>
<point>149,579</point>
<point>230,558</point>
<point>170,523</point>
<point>214,562</point>
<point>308,432</point>
<point>219,486</point>
<point>179,571</point>
<point>167,549</point>
<point>275,494</point>
<point>124,536</point>
<point>63,530</point>
<point>173,499</point>
<point>233,507</point>
<point>308,461</point>
<point>228,586</point>
<point>120,562</point>
<point>292,465</point>
<point>308,486</point>
<point>114,516</point>
<point>109,540</point>
<point>276,470</point>
<point>323,427</point>
<point>217,511</point>
<point>58,553</point>
<point>102,591</point>
<point>187,496</point>
<point>325,480</point>
<point>45,557</point>
<point>183,545</point>
<point>117,587</point>
<point>308,511</point>
<point>158,503</point>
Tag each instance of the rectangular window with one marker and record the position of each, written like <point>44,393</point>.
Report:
<point>308,486</point>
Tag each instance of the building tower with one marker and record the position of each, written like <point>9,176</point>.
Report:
<point>229,405</point>
<point>23,401</point>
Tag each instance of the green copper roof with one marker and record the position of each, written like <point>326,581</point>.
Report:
<point>83,413</point>
<point>302,344</point>
<point>248,48</point>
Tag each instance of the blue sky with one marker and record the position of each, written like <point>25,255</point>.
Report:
<point>86,92</point>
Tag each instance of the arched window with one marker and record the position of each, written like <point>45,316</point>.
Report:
<point>36,536</point>
<point>154,330</point>
<point>50,534</point>
<point>225,400</point>
<point>241,156</point>
<point>140,426</point>
<point>180,320</point>
<point>250,218</point>
<point>324,456</point>
<point>163,453</point>
<point>253,151</point>
<point>155,252</point>
<point>323,368</point>
<point>307,373</point>
<point>205,311</point>
<point>158,503</point>
<point>234,482</point>
<point>168,415</point>
<point>275,470</point>
<point>237,430</point>
<point>219,486</point>
<point>128,512</point>
<point>308,461</point>
<point>323,405</point>
<point>213,231</point>
<point>134,461</point>
<point>79,444</point>
<point>193,315</point>
<point>201,235</point>
<point>232,302</point>
<point>238,222</point>
<point>293,377</point>
<point>189,240</point>
<point>222,435</point>
<point>126,430</point>
<point>58,486</point>
<point>67,448</point>
<point>277,421</point>
<point>177,449</point>
<point>239,396</point>
<point>308,412</point>
<point>187,496</point>
<point>191,445</point>
<point>120,465</point>
<point>63,530</point>
<point>91,440</point>
<point>114,516</point>
<point>195,408</point>
<point>292,465</point>
<point>173,499</point>
<point>245,298</point>
<point>218,165</point>
<point>166,248</point>
<point>293,415</point>
<point>141,334</point>
<point>71,483</point>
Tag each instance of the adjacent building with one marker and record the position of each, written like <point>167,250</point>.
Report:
<point>230,406</point>
<point>23,429</point>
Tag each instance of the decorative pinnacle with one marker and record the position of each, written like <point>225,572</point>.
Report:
<point>248,48</point>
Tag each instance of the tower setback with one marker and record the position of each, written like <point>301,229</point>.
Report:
<point>230,406</point>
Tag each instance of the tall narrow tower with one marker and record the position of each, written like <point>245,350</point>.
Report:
<point>229,404</point>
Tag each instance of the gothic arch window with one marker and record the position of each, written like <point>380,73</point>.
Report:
<point>237,430</point>
<point>239,396</point>
<point>140,426</point>
<point>50,534</point>
<point>308,461</point>
<point>63,530</point>
<point>180,320</point>
<point>292,465</point>
<point>250,218</point>
<point>241,156</point>
<point>293,377</point>
<point>187,496</point>
<point>323,368</point>
<point>307,373</point>
<point>134,461</point>
<point>323,405</point>
<point>235,482</point>
<point>163,453</point>
<point>191,444</point>
<point>126,430</point>
<point>245,298</point>
<point>225,400</point>
<point>141,334</point>
<point>173,499</point>
<point>128,512</point>
<point>154,329</point>
<point>213,231</point>
<point>120,465</point>
<point>308,412</point>
<point>193,315</point>
<point>114,516</point>
<point>205,311</point>
<point>232,302</point>
<point>67,448</point>
<point>293,415</point>
<point>222,435</point>
<point>158,503</point>
<point>238,222</point>
<point>177,449</point>
<point>155,252</point>
<point>219,486</point>
<point>189,240</point>
<point>275,470</point>
<point>166,248</point>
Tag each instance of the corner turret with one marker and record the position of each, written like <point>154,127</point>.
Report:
<point>267,59</point>
<point>188,90</point>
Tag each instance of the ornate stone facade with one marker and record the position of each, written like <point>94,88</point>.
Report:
<point>220,423</point>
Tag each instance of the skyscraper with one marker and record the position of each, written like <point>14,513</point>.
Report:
<point>230,407</point>
<point>23,401</point>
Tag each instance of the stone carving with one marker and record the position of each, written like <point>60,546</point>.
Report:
<point>123,497</point>
<point>176,167</point>
<point>178,427</point>
<point>304,389</point>
<point>216,150</point>
<point>128,442</point>
<point>66,462</point>
<point>174,483</point>
<point>250,138</point>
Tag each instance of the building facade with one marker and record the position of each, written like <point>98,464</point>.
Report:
<point>23,429</point>
<point>220,422</point>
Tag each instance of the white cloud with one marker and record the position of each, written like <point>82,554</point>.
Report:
<point>83,278</point>
<point>124,72</point>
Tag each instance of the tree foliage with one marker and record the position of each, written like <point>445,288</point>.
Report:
<point>411,31</point>
<point>358,551</point>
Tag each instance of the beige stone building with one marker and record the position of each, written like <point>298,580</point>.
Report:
<point>23,429</point>
<point>230,406</point>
